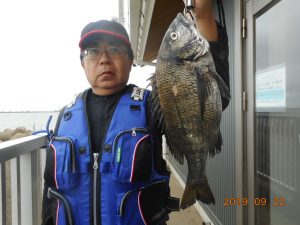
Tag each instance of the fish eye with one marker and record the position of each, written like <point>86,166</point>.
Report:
<point>174,36</point>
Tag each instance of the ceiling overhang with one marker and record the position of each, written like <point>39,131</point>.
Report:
<point>149,21</point>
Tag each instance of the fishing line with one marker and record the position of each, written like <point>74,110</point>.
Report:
<point>221,14</point>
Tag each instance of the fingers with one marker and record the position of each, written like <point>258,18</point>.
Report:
<point>203,8</point>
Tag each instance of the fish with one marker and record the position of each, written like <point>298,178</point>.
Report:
<point>186,100</point>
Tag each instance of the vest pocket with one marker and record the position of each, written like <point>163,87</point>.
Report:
<point>145,205</point>
<point>61,208</point>
<point>132,156</point>
<point>128,209</point>
<point>65,173</point>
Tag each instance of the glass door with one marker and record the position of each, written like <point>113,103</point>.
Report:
<point>275,105</point>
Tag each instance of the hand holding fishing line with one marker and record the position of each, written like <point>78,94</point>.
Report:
<point>204,9</point>
<point>203,12</point>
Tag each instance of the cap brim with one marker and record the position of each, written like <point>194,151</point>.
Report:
<point>97,34</point>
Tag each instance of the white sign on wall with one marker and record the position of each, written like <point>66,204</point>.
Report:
<point>271,87</point>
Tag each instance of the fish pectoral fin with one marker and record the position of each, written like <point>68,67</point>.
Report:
<point>224,90</point>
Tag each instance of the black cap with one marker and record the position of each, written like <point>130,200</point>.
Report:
<point>95,30</point>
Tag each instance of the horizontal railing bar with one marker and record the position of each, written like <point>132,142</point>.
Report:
<point>284,115</point>
<point>13,148</point>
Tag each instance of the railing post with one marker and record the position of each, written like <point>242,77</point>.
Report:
<point>36,186</point>
<point>25,188</point>
<point>15,191</point>
<point>2,195</point>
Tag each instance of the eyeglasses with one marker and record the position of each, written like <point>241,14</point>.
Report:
<point>96,53</point>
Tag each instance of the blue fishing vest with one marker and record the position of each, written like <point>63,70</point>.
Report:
<point>119,185</point>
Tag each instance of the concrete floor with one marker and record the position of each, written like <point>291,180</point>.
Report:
<point>189,216</point>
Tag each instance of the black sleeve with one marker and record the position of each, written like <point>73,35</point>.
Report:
<point>220,51</point>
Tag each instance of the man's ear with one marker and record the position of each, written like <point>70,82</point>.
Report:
<point>82,63</point>
<point>131,63</point>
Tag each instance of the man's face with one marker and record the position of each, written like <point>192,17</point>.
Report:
<point>107,74</point>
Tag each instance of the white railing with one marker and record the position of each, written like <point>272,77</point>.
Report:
<point>21,180</point>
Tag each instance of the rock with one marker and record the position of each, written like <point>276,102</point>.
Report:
<point>18,135</point>
<point>21,130</point>
<point>9,134</point>
<point>8,130</point>
<point>4,136</point>
<point>28,132</point>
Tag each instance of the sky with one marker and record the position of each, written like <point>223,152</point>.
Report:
<point>39,60</point>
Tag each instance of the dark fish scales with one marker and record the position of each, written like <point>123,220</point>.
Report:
<point>186,95</point>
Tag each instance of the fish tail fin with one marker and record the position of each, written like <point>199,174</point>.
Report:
<point>196,190</point>
<point>217,149</point>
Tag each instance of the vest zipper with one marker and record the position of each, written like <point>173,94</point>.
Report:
<point>91,156</point>
<point>95,175</point>
<point>132,131</point>
<point>52,193</point>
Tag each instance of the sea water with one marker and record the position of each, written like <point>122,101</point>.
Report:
<point>31,120</point>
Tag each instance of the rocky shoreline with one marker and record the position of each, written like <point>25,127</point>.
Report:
<point>5,135</point>
<point>11,134</point>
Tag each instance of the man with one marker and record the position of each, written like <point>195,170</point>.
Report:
<point>104,161</point>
